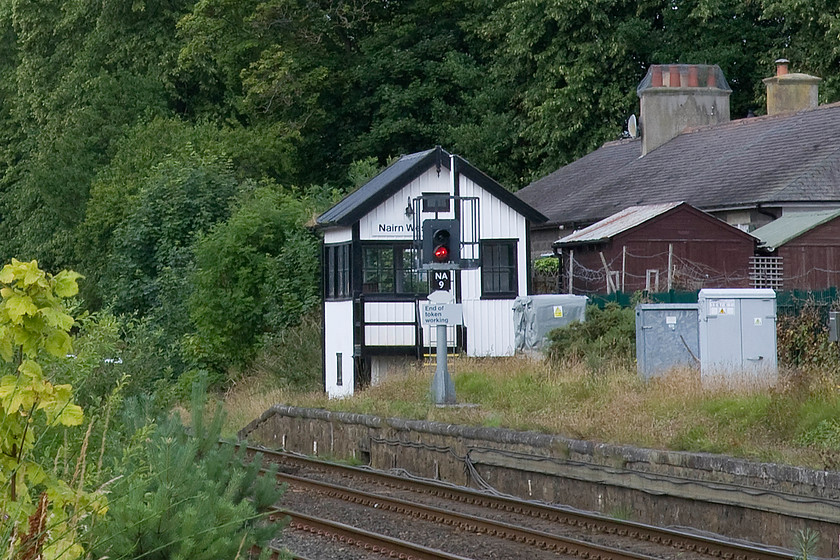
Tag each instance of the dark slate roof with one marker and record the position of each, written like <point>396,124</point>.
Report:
<point>352,207</point>
<point>550,193</point>
<point>767,160</point>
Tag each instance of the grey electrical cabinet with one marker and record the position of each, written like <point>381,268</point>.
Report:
<point>738,333</point>
<point>667,337</point>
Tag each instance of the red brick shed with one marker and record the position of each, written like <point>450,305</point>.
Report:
<point>799,251</point>
<point>655,248</point>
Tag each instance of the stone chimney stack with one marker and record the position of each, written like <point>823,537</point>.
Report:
<point>789,93</point>
<point>677,96</point>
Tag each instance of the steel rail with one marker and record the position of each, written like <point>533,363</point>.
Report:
<point>681,540</point>
<point>368,540</point>
<point>531,537</point>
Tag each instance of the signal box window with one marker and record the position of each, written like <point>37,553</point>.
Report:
<point>337,271</point>
<point>389,270</point>
<point>498,269</point>
<point>434,202</point>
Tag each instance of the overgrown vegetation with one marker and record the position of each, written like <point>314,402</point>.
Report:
<point>161,492</point>
<point>606,338</point>
<point>180,495</point>
<point>174,153</point>
<point>589,388</point>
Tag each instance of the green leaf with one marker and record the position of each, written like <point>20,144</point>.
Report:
<point>6,350</point>
<point>18,306</point>
<point>65,283</point>
<point>56,318</point>
<point>7,275</point>
<point>58,344</point>
<point>8,385</point>
<point>30,370</point>
<point>71,415</point>
<point>33,275</point>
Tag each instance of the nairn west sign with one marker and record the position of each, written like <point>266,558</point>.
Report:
<point>392,229</point>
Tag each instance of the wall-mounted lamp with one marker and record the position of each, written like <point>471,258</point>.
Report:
<point>409,209</point>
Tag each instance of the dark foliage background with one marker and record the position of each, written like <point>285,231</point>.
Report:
<point>174,152</point>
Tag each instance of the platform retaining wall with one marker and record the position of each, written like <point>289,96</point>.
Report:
<point>761,502</point>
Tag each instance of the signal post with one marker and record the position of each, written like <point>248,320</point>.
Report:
<point>440,254</point>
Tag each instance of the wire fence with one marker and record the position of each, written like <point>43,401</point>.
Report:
<point>686,279</point>
<point>788,302</point>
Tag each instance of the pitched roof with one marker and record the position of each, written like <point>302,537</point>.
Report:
<point>771,159</point>
<point>790,226</point>
<point>400,173</point>
<point>615,224</point>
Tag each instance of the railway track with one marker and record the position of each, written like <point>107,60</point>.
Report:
<point>539,526</point>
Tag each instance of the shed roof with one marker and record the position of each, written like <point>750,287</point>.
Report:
<point>352,207</point>
<point>790,226</point>
<point>635,216</point>
<point>771,159</point>
<point>615,224</point>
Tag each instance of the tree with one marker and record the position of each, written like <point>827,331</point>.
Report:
<point>183,496</point>
<point>811,39</point>
<point>84,71</point>
<point>255,274</point>
<point>41,511</point>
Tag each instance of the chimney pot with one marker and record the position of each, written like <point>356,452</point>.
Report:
<point>790,92</point>
<point>692,76</point>
<point>656,76</point>
<point>675,77</point>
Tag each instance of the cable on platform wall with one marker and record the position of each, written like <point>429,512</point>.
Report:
<point>476,478</point>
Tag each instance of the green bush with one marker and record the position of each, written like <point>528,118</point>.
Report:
<point>256,274</point>
<point>803,340</point>
<point>179,496</point>
<point>608,336</point>
<point>293,357</point>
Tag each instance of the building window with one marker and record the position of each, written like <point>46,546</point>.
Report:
<point>339,374</point>
<point>498,269</point>
<point>436,202</point>
<point>390,269</point>
<point>337,271</point>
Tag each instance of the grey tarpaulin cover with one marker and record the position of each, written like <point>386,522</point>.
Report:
<point>534,316</point>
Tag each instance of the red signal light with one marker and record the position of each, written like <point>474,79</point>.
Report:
<point>440,242</point>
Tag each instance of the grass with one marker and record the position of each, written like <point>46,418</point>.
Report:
<point>795,422</point>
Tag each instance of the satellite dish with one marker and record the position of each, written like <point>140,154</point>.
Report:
<point>632,127</point>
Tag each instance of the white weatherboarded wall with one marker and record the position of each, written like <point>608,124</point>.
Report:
<point>490,321</point>
<point>389,334</point>
<point>338,235</point>
<point>338,347</point>
<point>338,327</point>
<point>388,221</point>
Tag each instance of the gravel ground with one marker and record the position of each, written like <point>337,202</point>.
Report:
<point>427,533</point>
<point>372,523</point>
<point>313,547</point>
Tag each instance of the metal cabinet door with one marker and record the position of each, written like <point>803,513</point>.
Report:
<point>720,336</point>
<point>666,337</point>
<point>758,338</point>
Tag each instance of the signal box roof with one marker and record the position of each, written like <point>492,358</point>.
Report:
<point>355,205</point>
